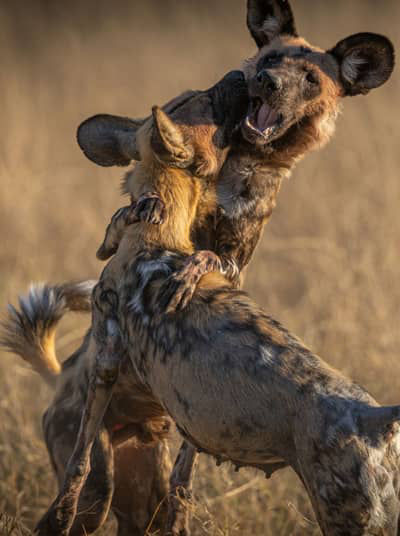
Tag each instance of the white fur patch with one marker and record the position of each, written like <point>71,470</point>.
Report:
<point>271,27</point>
<point>40,298</point>
<point>231,268</point>
<point>267,355</point>
<point>112,327</point>
<point>351,67</point>
<point>86,287</point>
<point>249,67</point>
<point>326,127</point>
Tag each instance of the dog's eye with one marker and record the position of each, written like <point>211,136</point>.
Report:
<point>311,78</point>
<point>272,59</point>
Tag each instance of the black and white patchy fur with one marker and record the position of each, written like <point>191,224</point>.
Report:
<point>239,386</point>
<point>278,404</point>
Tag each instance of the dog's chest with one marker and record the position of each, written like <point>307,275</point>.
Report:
<point>246,187</point>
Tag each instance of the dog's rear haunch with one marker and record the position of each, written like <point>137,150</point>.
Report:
<point>131,471</point>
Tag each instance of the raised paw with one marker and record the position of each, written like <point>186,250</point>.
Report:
<point>115,231</point>
<point>177,291</point>
<point>150,208</point>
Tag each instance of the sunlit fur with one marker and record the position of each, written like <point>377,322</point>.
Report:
<point>241,387</point>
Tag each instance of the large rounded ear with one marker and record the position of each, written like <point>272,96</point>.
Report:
<point>266,19</point>
<point>366,61</point>
<point>168,141</point>
<point>109,140</point>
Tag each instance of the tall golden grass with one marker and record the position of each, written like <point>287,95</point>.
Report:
<point>328,266</point>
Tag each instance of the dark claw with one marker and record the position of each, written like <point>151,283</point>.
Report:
<point>178,290</point>
<point>181,300</point>
<point>150,208</point>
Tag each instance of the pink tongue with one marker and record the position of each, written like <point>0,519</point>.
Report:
<point>266,117</point>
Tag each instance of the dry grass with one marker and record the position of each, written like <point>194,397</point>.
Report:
<point>327,267</point>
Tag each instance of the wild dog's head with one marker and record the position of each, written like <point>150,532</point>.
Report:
<point>292,83</point>
<point>203,121</point>
<point>190,142</point>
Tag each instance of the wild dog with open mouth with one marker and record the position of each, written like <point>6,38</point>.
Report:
<point>295,91</point>
<point>238,385</point>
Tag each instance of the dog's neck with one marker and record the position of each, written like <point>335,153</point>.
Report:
<point>180,194</point>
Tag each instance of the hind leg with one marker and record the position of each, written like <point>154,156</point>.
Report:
<point>181,490</point>
<point>106,347</point>
<point>61,429</point>
<point>95,498</point>
<point>141,487</point>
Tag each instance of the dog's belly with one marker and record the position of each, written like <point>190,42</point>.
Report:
<point>234,420</point>
<point>223,384</point>
<point>234,380</point>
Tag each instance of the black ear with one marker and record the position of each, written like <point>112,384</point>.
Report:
<point>168,142</point>
<point>267,19</point>
<point>366,61</point>
<point>109,140</point>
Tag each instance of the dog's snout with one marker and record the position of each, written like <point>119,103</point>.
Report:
<point>268,81</point>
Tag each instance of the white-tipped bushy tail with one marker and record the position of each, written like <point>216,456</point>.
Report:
<point>29,331</point>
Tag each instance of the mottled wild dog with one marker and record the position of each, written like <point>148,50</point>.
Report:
<point>130,476</point>
<point>239,386</point>
<point>295,93</point>
<point>131,462</point>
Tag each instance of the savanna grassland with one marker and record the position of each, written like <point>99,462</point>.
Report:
<point>328,266</point>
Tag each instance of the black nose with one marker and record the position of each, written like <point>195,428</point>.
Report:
<point>268,81</point>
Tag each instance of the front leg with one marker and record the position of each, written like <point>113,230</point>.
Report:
<point>106,341</point>
<point>236,241</point>
<point>181,491</point>
<point>177,291</point>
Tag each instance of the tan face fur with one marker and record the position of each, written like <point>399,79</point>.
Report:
<point>292,83</point>
<point>288,81</point>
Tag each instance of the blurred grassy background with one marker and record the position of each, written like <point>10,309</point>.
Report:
<point>327,267</point>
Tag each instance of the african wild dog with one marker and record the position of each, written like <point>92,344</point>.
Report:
<point>130,462</point>
<point>295,91</point>
<point>238,385</point>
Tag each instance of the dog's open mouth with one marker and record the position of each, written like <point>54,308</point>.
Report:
<point>262,120</point>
